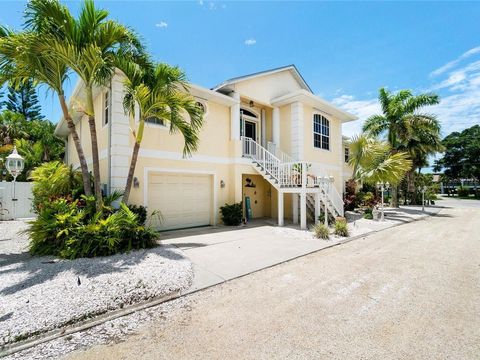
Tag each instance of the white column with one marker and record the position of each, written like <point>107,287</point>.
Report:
<point>264,128</point>
<point>276,126</point>
<point>295,208</point>
<point>317,207</point>
<point>297,120</point>
<point>120,149</point>
<point>235,117</point>
<point>303,210</point>
<point>280,208</point>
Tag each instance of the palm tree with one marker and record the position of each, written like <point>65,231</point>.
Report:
<point>22,59</point>
<point>400,119</point>
<point>90,45</point>
<point>159,91</point>
<point>373,161</point>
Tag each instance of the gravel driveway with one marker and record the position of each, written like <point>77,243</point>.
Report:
<point>410,292</point>
<point>42,293</point>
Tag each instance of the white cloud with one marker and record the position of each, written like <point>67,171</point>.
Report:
<point>360,108</point>
<point>161,24</point>
<point>250,42</point>
<point>452,64</point>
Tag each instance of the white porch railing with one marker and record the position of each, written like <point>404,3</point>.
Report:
<point>285,174</point>
<point>275,150</point>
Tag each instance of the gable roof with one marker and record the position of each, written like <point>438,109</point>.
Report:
<point>292,68</point>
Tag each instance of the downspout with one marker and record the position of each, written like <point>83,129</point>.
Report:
<point>109,146</point>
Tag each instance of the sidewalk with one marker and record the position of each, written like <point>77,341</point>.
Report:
<point>221,253</point>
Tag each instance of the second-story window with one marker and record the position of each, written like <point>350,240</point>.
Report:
<point>155,120</point>
<point>347,154</point>
<point>321,132</point>
<point>106,108</point>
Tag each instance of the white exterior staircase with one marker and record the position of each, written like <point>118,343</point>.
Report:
<point>290,176</point>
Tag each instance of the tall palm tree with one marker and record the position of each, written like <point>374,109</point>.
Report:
<point>400,119</point>
<point>159,91</point>
<point>90,45</point>
<point>373,161</point>
<point>21,59</point>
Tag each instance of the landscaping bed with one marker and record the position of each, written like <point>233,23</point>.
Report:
<point>39,294</point>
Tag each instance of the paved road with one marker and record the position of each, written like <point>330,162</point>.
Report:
<point>411,292</point>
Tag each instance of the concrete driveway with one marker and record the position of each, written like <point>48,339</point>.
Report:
<point>220,254</point>
<point>224,253</point>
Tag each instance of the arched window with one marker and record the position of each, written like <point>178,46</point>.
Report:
<point>248,113</point>
<point>321,132</point>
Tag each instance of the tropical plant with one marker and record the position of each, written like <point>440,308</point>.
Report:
<point>24,100</point>
<point>232,214</point>
<point>404,126</point>
<point>54,180</point>
<point>91,46</point>
<point>159,92</point>
<point>341,228</point>
<point>321,231</point>
<point>65,228</point>
<point>25,56</point>
<point>373,161</point>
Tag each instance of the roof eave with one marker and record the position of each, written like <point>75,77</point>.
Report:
<point>314,100</point>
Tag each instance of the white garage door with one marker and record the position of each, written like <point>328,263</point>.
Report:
<point>184,200</point>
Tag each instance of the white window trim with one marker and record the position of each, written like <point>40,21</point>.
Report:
<point>205,105</point>
<point>345,150</point>
<point>329,133</point>
<point>105,124</point>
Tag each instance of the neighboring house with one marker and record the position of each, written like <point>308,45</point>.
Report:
<point>260,131</point>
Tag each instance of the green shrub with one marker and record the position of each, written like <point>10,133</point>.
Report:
<point>341,228</point>
<point>368,214</point>
<point>232,214</point>
<point>68,228</point>
<point>321,231</point>
<point>140,211</point>
<point>463,192</point>
<point>55,180</point>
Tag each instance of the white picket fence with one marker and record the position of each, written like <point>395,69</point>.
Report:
<point>19,208</point>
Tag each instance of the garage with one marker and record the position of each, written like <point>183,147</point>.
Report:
<point>184,200</point>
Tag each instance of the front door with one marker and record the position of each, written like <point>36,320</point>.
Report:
<point>251,130</point>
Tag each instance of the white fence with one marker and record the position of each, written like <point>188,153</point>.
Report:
<point>19,208</point>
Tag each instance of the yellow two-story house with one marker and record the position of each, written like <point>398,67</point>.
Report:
<point>267,141</point>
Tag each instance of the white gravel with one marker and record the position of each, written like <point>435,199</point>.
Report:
<point>42,293</point>
<point>112,331</point>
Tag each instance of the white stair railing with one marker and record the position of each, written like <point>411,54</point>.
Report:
<point>275,150</point>
<point>334,197</point>
<point>285,174</point>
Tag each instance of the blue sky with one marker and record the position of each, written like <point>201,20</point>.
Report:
<point>344,50</point>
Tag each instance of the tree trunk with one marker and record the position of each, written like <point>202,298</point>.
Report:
<point>78,146</point>
<point>411,186</point>
<point>94,141</point>
<point>394,199</point>
<point>131,172</point>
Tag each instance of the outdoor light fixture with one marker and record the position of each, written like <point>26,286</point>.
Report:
<point>222,184</point>
<point>14,164</point>
<point>423,189</point>
<point>136,183</point>
<point>252,103</point>
<point>382,187</point>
